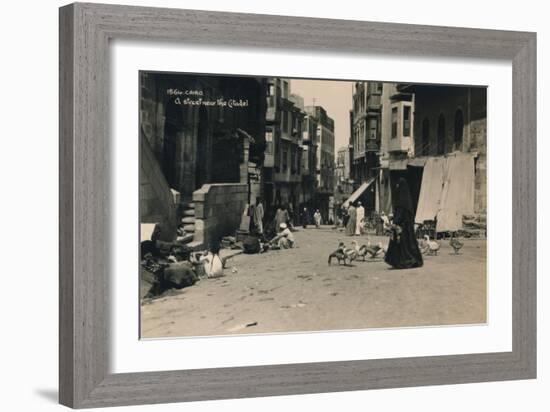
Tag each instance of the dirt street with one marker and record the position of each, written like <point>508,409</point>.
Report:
<point>296,290</point>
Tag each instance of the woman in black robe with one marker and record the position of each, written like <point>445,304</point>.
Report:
<point>403,251</point>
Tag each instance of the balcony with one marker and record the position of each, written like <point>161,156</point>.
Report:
<point>271,111</point>
<point>372,145</point>
<point>374,103</point>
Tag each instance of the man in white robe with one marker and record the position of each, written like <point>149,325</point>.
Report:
<point>360,219</point>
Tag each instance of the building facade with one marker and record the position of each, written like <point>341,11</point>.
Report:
<point>435,137</point>
<point>365,127</point>
<point>199,130</point>
<point>325,158</point>
<point>282,170</point>
<point>454,120</point>
<point>342,172</point>
<point>396,144</point>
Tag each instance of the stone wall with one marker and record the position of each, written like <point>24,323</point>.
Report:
<point>218,210</point>
<point>432,102</point>
<point>156,200</point>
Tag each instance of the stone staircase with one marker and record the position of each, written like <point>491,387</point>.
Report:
<point>188,221</point>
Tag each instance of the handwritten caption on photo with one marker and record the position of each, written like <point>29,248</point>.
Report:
<point>196,98</point>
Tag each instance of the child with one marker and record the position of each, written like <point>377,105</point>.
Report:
<point>213,264</point>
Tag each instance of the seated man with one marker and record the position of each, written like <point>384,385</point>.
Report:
<point>285,238</point>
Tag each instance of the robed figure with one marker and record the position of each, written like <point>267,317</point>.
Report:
<point>352,220</point>
<point>403,251</point>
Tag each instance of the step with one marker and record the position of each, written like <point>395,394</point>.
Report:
<point>188,220</point>
<point>189,228</point>
<point>188,205</point>
<point>189,212</point>
<point>196,245</point>
<point>187,238</point>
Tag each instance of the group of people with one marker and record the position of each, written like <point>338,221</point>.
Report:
<point>175,266</point>
<point>354,218</point>
<point>403,250</point>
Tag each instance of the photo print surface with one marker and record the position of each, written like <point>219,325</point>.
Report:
<point>279,205</point>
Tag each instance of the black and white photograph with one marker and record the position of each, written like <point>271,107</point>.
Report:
<point>273,205</point>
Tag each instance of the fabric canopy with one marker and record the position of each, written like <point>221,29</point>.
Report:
<point>355,195</point>
<point>430,190</point>
<point>447,191</point>
<point>457,197</point>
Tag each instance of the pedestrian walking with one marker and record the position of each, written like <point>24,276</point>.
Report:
<point>403,251</point>
<point>304,217</point>
<point>360,219</point>
<point>352,220</point>
<point>317,218</point>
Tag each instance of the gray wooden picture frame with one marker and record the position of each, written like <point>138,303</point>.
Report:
<point>85,31</point>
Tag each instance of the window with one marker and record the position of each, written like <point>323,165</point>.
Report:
<point>285,121</point>
<point>269,141</point>
<point>441,135</point>
<point>394,122</point>
<point>406,121</point>
<point>372,128</point>
<point>425,137</point>
<point>459,130</point>
<point>271,90</point>
<point>285,158</point>
<point>285,89</point>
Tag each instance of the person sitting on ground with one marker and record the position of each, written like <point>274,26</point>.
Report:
<point>285,238</point>
<point>213,264</point>
<point>251,243</point>
<point>177,274</point>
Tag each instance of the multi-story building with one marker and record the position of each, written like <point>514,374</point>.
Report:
<point>284,139</point>
<point>197,130</point>
<point>396,144</point>
<point>325,162</point>
<point>310,147</point>
<point>343,182</point>
<point>435,137</point>
<point>365,126</point>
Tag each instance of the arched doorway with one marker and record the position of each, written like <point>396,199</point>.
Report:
<point>459,130</point>
<point>441,135</point>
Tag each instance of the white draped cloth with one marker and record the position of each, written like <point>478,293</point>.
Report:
<point>447,191</point>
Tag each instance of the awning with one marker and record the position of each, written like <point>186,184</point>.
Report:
<point>357,194</point>
<point>447,191</point>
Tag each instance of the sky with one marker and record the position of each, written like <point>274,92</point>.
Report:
<point>335,97</point>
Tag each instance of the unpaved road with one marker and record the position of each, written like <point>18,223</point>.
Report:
<point>295,290</point>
